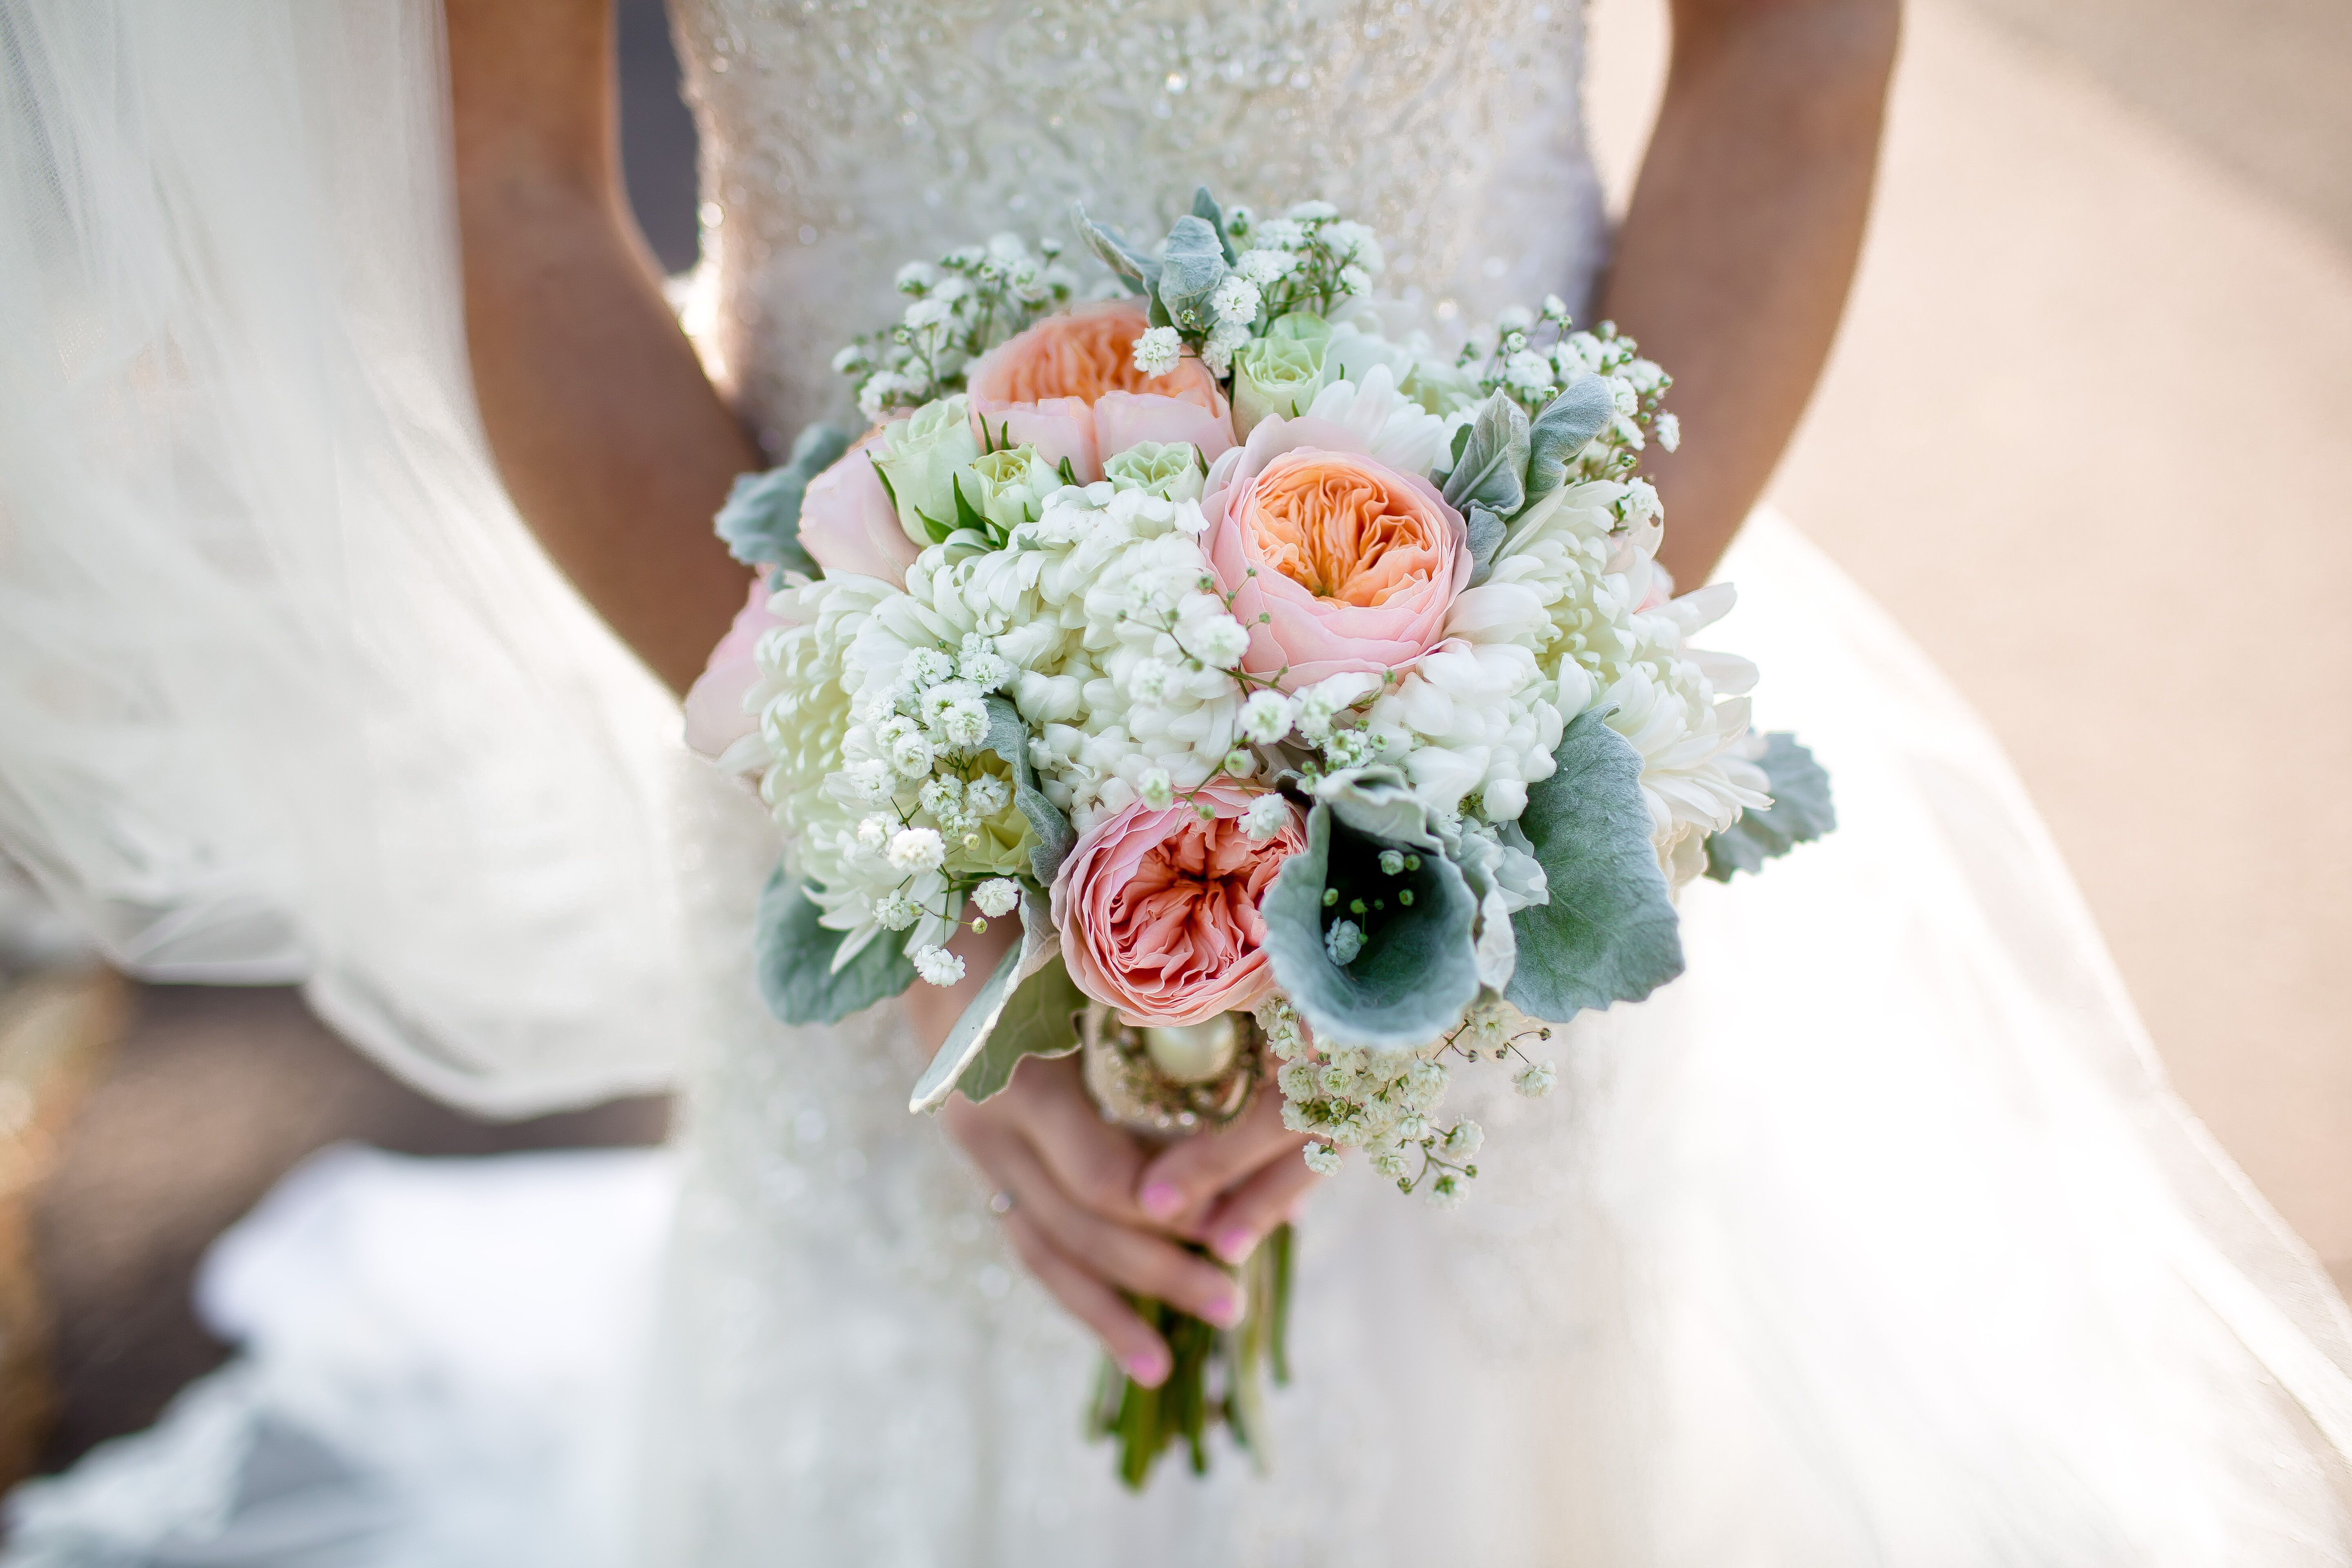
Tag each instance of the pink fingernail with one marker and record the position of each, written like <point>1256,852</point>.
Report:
<point>1226,1310</point>
<point>1234,1244</point>
<point>1162,1201</point>
<point>1146,1369</point>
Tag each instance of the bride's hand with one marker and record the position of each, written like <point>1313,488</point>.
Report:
<point>1073,1180</point>
<point>1230,1188</point>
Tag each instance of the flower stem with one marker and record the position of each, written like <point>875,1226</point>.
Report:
<point>1146,1422</point>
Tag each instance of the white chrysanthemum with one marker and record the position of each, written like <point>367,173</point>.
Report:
<point>1584,556</point>
<point>1397,430</point>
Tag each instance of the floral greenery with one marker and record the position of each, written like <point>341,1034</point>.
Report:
<point>1800,811</point>
<point>1059,651</point>
<point>970,299</point>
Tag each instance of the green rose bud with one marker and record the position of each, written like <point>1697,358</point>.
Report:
<point>1279,373</point>
<point>925,451</point>
<point>1006,488</point>
<point>1170,471</point>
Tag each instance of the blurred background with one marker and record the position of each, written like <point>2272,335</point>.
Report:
<point>2085,436</point>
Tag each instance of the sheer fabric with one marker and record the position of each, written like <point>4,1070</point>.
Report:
<point>1876,1238</point>
<point>287,691</point>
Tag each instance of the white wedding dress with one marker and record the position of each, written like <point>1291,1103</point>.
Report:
<point>1876,1238</point>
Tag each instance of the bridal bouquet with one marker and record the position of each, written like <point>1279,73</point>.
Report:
<point>1310,694</point>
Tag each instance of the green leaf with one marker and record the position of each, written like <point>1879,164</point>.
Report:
<point>1008,737</point>
<point>1608,933</point>
<point>1486,532</point>
<point>1192,267</point>
<point>1379,802</point>
<point>792,956</point>
<point>1491,470</point>
<point>1130,265</point>
<point>971,1050</point>
<point>967,515</point>
<point>1417,970</point>
<point>1568,422</point>
<point>1205,208</point>
<point>1800,811</point>
<point>1039,1019</point>
<point>969,1037</point>
<point>761,522</point>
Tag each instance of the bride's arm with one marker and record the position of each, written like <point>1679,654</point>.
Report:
<point>1733,262</point>
<point>615,447</point>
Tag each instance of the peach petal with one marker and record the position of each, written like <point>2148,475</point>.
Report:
<point>1059,428</point>
<point>1124,419</point>
<point>1159,910</point>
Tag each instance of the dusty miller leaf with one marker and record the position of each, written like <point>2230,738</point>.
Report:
<point>968,1045</point>
<point>1008,737</point>
<point>1130,265</point>
<point>1491,469</point>
<point>1039,1019</point>
<point>1205,208</point>
<point>1417,970</point>
<point>1192,266</point>
<point>1560,431</point>
<point>1800,811</point>
<point>761,522</point>
<point>1486,532</point>
<point>1608,933</point>
<point>793,956</point>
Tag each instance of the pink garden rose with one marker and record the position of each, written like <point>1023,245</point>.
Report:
<point>1356,562</point>
<point>1068,385</point>
<point>847,524</point>
<point>1159,910</point>
<point>715,719</point>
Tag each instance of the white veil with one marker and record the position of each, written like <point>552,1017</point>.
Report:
<point>287,690</point>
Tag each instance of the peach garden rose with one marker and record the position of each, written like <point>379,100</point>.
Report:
<point>1159,909</point>
<point>1068,385</point>
<point>1352,564</point>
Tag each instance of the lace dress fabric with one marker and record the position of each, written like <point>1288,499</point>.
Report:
<point>1854,1246</point>
<point>843,137</point>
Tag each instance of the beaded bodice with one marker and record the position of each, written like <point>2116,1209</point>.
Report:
<point>842,138</point>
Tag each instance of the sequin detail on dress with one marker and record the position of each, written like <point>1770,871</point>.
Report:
<point>842,138</point>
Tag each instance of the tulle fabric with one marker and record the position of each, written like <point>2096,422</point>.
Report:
<point>1875,1238</point>
<point>287,691</point>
